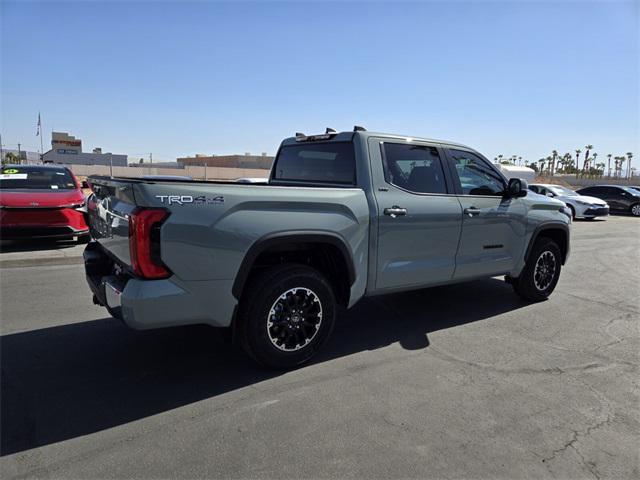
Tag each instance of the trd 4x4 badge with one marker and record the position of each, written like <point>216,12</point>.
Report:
<point>188,199</point>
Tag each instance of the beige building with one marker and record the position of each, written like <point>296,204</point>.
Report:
<point>247,160</point>
<point>67,149</point>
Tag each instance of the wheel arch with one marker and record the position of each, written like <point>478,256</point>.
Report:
<point>326,251</point>
<point>558,232</point>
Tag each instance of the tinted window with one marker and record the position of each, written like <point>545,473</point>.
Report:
<point>614,192</point>
<point>533,188</point>
<point>416,168</point>
<point>316,163</point>
<point>17,178</point>
<point>475,175</point>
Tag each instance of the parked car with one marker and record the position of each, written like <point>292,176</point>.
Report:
<point>619,198</point>
<point>343,216</point>
<point>581,206</point>
<point>41,201</point>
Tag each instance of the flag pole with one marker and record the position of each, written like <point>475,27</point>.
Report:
<point>41,146</point>
<point>39,132</point>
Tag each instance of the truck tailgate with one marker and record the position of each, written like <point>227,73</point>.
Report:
<point>108,209</point>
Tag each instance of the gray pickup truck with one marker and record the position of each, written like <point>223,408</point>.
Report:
<point>342,216</point>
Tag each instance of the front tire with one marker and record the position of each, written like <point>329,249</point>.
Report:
<point>541,272</point>
<point>286,315</point>
<point>635,210</point>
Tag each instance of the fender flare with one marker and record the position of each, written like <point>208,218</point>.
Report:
<point>281,238</point>
<point>548,226</point>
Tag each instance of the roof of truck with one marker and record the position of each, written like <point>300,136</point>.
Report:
<point>348,135</point>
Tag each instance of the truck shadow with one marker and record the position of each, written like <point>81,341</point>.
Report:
<point>67,381</point>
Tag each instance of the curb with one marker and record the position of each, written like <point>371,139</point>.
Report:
<point>39,262</point>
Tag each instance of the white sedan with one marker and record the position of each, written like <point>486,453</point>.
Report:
<point>581,206</point>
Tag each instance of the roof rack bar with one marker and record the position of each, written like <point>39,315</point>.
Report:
<point>358,128</point>
<point>330,130</point>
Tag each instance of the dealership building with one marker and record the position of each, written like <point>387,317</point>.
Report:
<point>67,149</point>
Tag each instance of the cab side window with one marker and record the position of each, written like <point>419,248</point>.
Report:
<point>416,168</point>
<point>475,175</point>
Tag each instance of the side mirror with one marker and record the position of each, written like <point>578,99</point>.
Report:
<point>85,184</point>
<point>517,188</point>
<point>550,194</point>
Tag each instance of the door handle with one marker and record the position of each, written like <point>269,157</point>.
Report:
<point>395,211</point>
<point>471,211</point>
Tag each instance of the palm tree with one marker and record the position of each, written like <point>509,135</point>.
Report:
<point>618,167</point>
<point>586,155</point>
<point>520,160</point>
<point>567,163</point>
<point>593,158</point>
<point>629,157</point>
<point>554,155</point>
<point>609,165</point>
<point>577,161</point>
<point>500,158</point>
<point>541,162</point>
<point>12,158</point>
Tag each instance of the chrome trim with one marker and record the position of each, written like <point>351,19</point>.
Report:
<point>112,295</point>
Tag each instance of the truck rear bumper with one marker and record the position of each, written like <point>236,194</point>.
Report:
<point>147,304</point>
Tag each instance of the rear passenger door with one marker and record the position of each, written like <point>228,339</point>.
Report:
<point>419,216</point>
<point>493,227</point>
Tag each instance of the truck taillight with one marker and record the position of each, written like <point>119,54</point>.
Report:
<point>144,242</point>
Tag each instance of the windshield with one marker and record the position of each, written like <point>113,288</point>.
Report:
<point>631,190</point>
<point>563,191</point>
<point>34,178</point>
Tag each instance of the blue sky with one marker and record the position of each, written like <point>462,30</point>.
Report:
<point>177,78</point>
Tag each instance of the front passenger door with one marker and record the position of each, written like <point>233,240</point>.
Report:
<point>493,227</point>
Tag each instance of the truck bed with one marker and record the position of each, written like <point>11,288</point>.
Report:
<point>211,226</point>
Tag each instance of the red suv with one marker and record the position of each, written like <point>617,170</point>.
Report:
<point>38,201</point>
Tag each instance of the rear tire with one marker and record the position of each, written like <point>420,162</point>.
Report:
<point>635,210</point>
<point>286,315</point>
<point>541,272</point>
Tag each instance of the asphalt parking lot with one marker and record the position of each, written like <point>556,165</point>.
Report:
<point>463,381</point>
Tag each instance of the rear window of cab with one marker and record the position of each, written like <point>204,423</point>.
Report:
<point>316,163</point>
